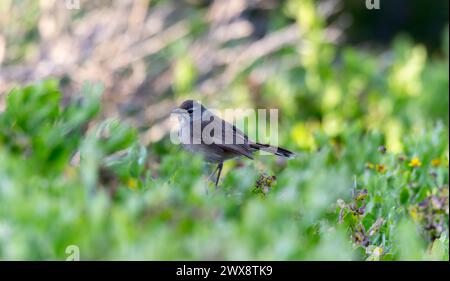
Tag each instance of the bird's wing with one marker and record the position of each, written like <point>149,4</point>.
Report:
<point>225,136</point>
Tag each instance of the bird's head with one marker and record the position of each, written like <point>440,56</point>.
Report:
<point>189,109</point>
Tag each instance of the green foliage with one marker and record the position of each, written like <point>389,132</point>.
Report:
<point>370,181</point>
<point>112,206</point>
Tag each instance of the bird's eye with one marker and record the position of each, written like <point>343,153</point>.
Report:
<point>190,111</point>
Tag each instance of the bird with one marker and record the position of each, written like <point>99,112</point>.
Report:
<point>216,146</point>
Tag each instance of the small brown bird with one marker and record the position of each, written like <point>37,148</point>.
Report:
<point>219,144</point>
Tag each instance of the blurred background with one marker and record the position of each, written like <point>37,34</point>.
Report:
<point>357,89</point>
<point>256,53</point>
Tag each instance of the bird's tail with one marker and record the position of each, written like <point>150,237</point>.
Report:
<point>274,149</point>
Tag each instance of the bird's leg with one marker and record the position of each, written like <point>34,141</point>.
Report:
<point>219,169</point>
<point>213,173</point>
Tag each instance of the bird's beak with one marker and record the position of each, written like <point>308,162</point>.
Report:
<point>177,110</point>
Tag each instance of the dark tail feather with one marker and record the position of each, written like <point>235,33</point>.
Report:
<point>273,149</point>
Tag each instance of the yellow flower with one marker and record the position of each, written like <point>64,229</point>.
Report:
<point>369,165</point>
<point>378,251</point>
<point>436,162</point>
<point>380,168</point>
<point>415,214</point>
<point>415,162</point>
<point>132,183</point>
<point>361,195</point>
